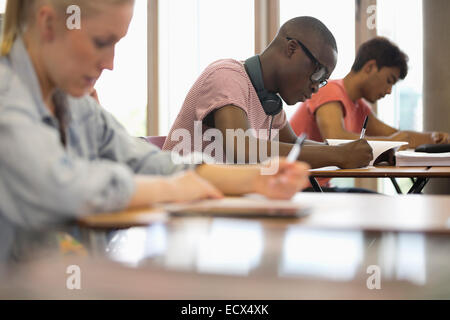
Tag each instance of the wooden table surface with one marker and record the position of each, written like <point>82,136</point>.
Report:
<point>324,255</point>
<point>412,213</point>
<point>384,172</point>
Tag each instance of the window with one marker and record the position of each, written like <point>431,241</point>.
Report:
<point>2,10</point>
<point>401,22</point>
<point>123,92</point>
<point>342,26</point>
<point>193,34</point>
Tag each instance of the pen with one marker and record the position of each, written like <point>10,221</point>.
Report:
<point>295,151</point>
<point>363,131</point>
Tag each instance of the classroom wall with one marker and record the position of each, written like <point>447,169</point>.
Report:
<point>436,114</point>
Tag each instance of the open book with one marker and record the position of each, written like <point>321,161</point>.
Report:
<point>409,158</point>
<point>378,147</point>
<point>240,207</point>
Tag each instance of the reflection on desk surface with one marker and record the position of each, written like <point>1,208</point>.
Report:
<point>219,258</point>
<point>247,248</point>
<point>226,258</point>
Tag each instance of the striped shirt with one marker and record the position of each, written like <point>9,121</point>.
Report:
<point>222,83</point>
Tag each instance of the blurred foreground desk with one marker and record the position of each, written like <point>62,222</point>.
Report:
<point>419,175</point>
<point>324,255</point>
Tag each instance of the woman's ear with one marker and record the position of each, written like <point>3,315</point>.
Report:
<point>46,23</point>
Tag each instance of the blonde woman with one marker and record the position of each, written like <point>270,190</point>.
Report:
<point>62,156</point>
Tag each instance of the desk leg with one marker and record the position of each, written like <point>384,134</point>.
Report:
<point>396,186</point>
<point>418,185</point>
<point>315,184</point>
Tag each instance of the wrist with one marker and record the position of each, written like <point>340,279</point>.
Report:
<point>250,178</point>
<point>254,186</point>
<point>167,190</point>
<point>339,156</point>
<point>150,190</point>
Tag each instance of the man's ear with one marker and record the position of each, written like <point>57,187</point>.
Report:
<point>291,47</point>
<point>46,23</point>
<point>370,66</point>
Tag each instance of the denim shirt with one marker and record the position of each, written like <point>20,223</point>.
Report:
<point>42,181</point>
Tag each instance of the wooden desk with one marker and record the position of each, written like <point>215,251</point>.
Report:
<point>325,255</point>
<point>422,174</point>
<point>442,172</point>
<point>411,213</point>
<point>385,172</point>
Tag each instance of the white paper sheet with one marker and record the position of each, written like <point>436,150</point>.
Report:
<point>378,147</point>
<point>410,158</point>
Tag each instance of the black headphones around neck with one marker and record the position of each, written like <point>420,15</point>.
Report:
<point>270,102</point>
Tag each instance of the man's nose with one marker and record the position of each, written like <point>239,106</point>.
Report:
<point>389,90</point>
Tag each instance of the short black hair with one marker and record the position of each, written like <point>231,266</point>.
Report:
<point>384,52</point>
<point>309,25</point>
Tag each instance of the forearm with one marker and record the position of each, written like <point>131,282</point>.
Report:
<point>316,155</point>
<point>417,138</point>
<point>321,156</point>
<point>231,179</point>
<point>346,135</point>
<point>150,191</point>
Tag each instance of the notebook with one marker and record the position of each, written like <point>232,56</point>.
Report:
<point>410,158</point>
<point>240,207</point>
<point>378,147</point>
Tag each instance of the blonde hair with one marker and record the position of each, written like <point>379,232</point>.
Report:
<point>17,15</point>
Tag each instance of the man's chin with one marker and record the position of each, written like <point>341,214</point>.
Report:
<point>291,102</point>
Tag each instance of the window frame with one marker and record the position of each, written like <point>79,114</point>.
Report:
<point>267,22</point>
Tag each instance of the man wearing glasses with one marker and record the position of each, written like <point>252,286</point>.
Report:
<point>294,66</point>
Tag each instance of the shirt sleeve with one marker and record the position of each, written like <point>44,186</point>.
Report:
<point>280,120</point>
<point>141,157</point>
<point>330,93</point>
<point>221,88</point>
<point>42,185</point>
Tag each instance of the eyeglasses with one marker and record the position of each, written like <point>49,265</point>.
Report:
<point>320,73</point>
